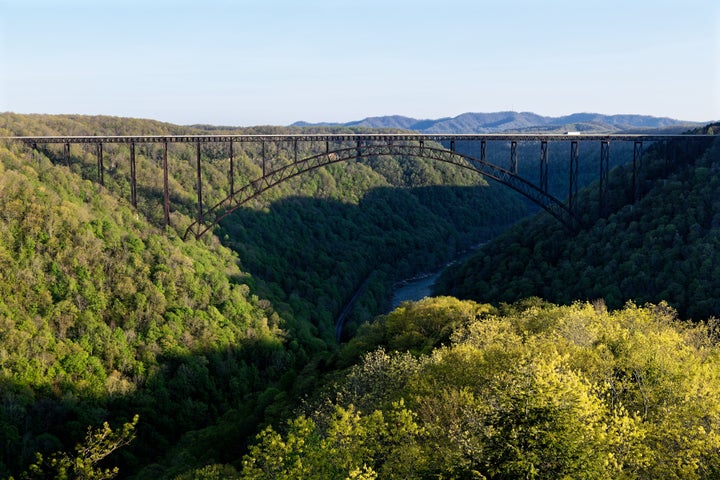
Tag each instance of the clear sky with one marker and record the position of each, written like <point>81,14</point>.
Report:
<point>256,62</point>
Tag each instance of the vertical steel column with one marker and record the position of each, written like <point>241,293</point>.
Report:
<point>452,146</point>
<point>133,177</point>
<point>199,187</point>
<point>604,171</point>
<point>483,150</point>
<point>544,166</point>
<point>101,177</point>
<point>232,172</point>
<point>358,149</point>
<point>67,154</point>
<point>295,150</point>
<point>166,186</point>
<point>573,175</point>
<point>263,158</point>
<point>513,157</point>
<point>637,165</point>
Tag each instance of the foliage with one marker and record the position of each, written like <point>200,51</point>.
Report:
<point>348,445</point>
<point>417,327</point>
<point>535,391</point>
<point>83,464</point>
<point>103,315</point>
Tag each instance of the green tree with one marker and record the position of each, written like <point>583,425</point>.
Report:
<point>83,463</point>
<point>347,444</point>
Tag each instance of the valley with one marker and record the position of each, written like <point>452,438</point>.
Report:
<point>225,347</point>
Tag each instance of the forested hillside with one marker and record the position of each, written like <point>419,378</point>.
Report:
<point>296,238</point>
<point>454,389</point>
<point>661,247</point>
<point>107,314</point>
<point>103,316</point>
<point>525,122</point>
<point>117,336</point>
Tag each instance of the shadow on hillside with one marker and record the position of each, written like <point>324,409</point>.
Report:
<point>314,254</point>
<point>194,408</point>
<point>206,404</point>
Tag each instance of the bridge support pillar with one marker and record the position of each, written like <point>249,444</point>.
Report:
<point>513,157</point>
<point>544,166</point>
<point>637,165</point>
<point>483,150</point>
<point>166,186</point>
<point>604,176</point>
<point>199,188</point>
<point>133,176</point>
<point>263,158</point>
<point>66,151</point>
<point>573,175</point>
<point>100,174</point>
<point>231,173</point>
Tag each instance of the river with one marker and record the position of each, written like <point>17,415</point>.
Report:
<point>419,287</point>
<point>411,289</point>
<point>414,289</point>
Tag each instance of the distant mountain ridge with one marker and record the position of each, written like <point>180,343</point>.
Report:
<point>519,122</point>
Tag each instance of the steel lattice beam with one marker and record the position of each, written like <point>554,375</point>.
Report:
<point>637,165</point>
<point>513,157</point>
<point>604,177</point>
<point>544,166</point>
<point>573,188</point>
<point>339,138</point>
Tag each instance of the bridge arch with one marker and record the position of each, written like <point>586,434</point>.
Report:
<point>270,179</point>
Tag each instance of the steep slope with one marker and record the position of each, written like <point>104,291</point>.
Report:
<point>106,313</point>
<point>662,247</point>
<point>395,208</point>
<point>103,316</point>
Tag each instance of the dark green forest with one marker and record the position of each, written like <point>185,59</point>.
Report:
<point>660,246</point>
<point>128,352</point>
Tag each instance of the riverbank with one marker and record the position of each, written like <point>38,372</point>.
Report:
<point>411,289</point>
<point>415,288</point>
<point>421,286</point>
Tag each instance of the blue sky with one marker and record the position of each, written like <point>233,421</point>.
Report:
<point>256,62</point>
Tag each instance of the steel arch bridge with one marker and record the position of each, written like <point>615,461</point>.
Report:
<point>346,153</point>
<point>346,147</point>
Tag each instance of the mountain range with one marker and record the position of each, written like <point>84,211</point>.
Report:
<point>520,122</point>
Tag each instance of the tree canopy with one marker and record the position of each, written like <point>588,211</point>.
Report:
<point>533,390</point>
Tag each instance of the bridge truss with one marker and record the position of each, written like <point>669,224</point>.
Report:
<point>336,148</point>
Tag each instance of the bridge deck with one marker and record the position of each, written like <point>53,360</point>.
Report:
<point>342,137</point>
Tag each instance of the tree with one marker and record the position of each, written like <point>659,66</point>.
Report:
<point>347,444</point>
<point>83,464</point>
